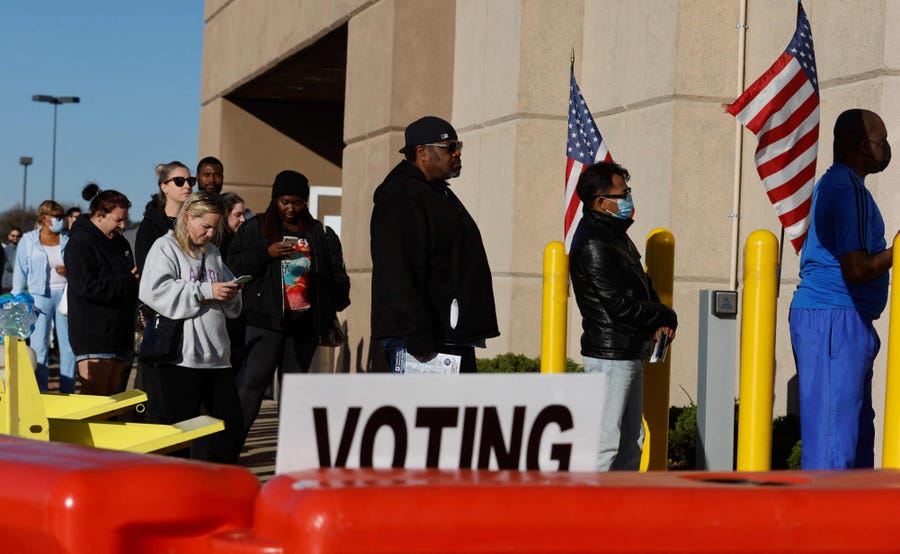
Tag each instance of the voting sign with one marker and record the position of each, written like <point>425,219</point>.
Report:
<point>547,422</point>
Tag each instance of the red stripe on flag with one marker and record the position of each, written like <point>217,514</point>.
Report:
<point>571,212</point>
<point>777,103</point>
<point>797,243</point>
<point>790,187</point>
<point>569,162</point>
<point>758,85</point>
<point>782,160</point>
<point>796,215</point>
<point>795,120</point>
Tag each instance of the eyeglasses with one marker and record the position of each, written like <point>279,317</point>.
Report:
<point>180,181</point>
<point>625,195</point>
<point>451,146</point>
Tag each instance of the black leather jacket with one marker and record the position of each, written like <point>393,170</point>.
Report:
<point>620,310</point>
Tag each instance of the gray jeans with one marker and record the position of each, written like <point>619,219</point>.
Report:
<point>621,427</point>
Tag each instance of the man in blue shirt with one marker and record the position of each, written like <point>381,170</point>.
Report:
<point>843,287</point>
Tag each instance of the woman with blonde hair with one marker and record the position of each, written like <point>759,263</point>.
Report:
<point>185,279</point>
<point>40,271</point>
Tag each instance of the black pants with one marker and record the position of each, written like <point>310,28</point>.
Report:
<point>289,351</point>
<point>178,393</point>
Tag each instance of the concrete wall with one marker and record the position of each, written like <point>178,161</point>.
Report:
<point>655,73</point>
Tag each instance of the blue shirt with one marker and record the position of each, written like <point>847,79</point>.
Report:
<point>844,218</point>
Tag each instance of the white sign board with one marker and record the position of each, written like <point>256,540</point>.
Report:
<point>472,421</point>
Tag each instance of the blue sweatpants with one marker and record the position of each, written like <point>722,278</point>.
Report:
<point>834,350</point>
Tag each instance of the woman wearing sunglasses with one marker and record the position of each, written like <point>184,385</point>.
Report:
<point>175,185</point>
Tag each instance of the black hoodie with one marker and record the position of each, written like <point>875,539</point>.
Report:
<point>427,254</point>
<point>154,225</point>
<point>102,292</point>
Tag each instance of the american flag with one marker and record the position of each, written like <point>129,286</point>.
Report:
<point>585,146</point>
<point>782,109</point>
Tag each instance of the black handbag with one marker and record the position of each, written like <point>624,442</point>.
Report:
<point>161,343</point>
<point>334,336</point>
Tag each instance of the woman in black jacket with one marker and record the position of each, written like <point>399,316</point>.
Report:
<point>102,291</point>
<point>175,184</point>
<point>299,282</point>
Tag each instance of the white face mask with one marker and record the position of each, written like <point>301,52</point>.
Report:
<point>57,224</point>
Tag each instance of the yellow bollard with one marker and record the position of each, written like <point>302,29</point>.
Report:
<point>660,255</point>
<point>553,308</point>
<point>757,352</point>
<point>890,452</point>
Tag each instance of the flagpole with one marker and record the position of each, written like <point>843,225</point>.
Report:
<point>738,150</point>
<point>778,267</point>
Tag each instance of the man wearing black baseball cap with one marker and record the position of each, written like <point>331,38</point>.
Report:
<point>432,294</point>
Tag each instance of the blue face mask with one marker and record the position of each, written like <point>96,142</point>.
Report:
<point>57,224</point>
<point>626,208</point>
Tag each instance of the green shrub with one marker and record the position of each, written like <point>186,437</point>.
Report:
<point>518,363</point>
<point>794,458</point>
<point>785,434</point>
<point>682,437</point>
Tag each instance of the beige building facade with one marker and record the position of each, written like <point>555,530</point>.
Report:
<point>326,87</point>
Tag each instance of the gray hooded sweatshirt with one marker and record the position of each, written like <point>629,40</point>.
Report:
<point>171,284</point>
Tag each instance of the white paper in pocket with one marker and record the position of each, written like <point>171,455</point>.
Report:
<point>454,313</point>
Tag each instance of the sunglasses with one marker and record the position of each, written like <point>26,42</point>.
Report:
<point>451,146</point>
<point>180,181</point>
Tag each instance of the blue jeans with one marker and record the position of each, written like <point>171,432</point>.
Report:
<point>47,309</point>
<point>834,350</point>
<point>621,426</point>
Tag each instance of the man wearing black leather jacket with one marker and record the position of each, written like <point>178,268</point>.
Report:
<point>621,313</point>
<point>431,283</point>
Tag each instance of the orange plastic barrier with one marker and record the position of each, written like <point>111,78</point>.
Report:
<point>69,499</point>
<point>469,511</point>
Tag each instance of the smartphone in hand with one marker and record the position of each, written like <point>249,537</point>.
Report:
<point>242,279</point>
<point>660,348</point>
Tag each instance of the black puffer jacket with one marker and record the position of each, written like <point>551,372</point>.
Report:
<point>264,295</point>
<point>620,310</point>
<point>427,255</point>
<point>154,225</point>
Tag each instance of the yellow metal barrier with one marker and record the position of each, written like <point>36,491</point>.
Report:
<point>660,257</point>
<point>890,452</point>
<point>86,406</point>
<point>553,308</point>
<point>21,411</point>
<point>23,414</point>
<point>757,352</point>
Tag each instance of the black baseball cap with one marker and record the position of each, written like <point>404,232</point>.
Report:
<point>426,130</point>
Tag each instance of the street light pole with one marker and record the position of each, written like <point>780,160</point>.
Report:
<point>25,161</point>
<point>56,101</point>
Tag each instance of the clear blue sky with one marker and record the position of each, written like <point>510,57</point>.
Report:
<point>136,67</point>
